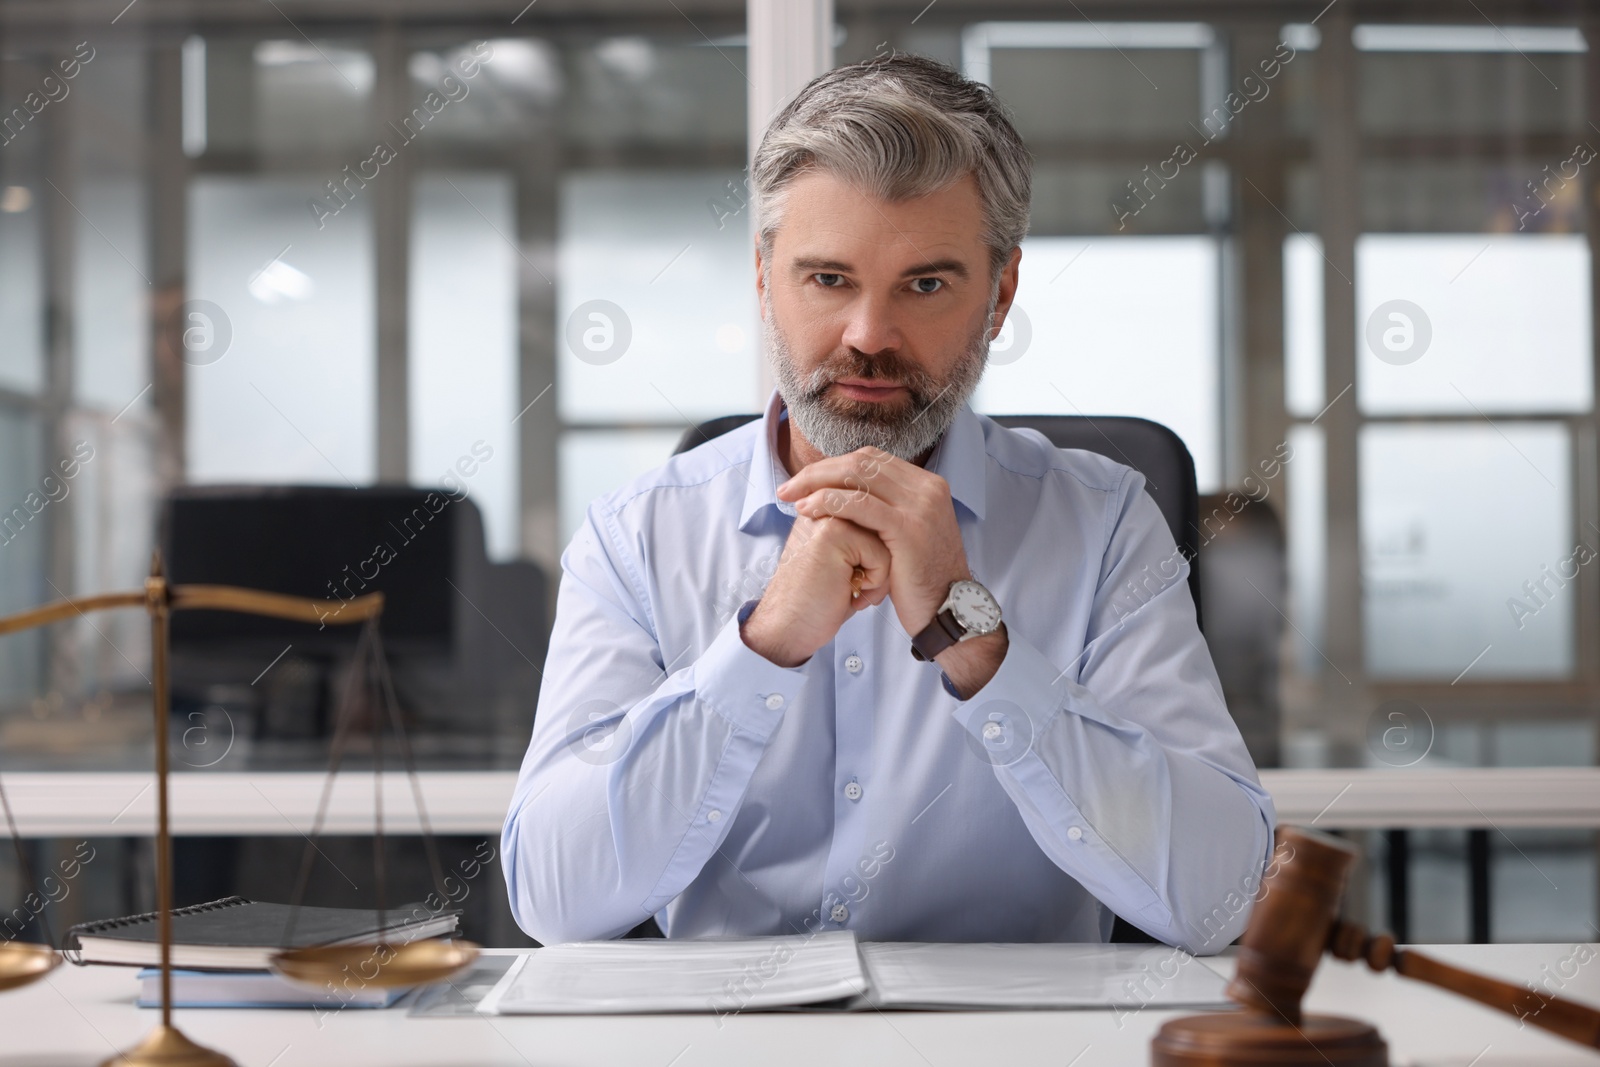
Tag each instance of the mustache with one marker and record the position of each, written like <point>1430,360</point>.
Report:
<point>884,367</point>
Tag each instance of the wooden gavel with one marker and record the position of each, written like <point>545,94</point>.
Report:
<point>1294,922</point>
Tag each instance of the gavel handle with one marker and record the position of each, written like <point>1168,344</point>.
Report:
<point>1576,1022</point>
<point>1572,1021</point>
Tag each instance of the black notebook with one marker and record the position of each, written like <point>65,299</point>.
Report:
<point>238,934</point>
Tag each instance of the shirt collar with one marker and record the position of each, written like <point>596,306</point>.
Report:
<point>961,458</point>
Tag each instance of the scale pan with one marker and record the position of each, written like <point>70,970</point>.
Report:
<point>21,963</point>
<point>419,962</point>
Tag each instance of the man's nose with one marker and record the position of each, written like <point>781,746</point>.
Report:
<point>872,326</point>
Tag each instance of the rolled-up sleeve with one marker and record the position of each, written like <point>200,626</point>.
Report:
<point>634,773</point>
<point>1125,764</point>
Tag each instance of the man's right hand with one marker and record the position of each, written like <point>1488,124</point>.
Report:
<point>809,596</point>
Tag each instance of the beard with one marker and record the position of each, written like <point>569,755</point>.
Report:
<point>907,426</point>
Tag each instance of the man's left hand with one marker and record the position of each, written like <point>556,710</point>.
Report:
<point>910,510</point>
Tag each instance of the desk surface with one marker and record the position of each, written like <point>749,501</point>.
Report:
<point>77,1016</point>
<point>90,803</point>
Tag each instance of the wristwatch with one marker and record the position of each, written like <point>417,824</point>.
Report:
<point>969,610</point>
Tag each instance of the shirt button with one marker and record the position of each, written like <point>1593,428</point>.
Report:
<point>853,664</point>
<point>853,790</point>
<point>993,731</point>
<point>775,701</point>
<point>1075,833</point>
<point>840,913</point>
<point>714,815</point>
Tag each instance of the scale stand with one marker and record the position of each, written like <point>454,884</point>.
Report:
<point>166,1046</point>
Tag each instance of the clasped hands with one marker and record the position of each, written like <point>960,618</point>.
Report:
<point>892,519</point>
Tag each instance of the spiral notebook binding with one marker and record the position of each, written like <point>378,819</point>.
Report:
<point>71,948</point>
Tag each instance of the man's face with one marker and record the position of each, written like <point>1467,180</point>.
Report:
<point>879,313</point>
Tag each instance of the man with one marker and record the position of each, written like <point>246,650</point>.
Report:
<point>874,662</point>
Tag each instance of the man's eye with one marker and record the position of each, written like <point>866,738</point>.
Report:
<point>928,285</point>
<point>829,281</point>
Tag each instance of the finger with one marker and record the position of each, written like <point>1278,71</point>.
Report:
<point>863,509</point>
<point>871,598</point>
<point>866,470</point>
<point>859,546</point>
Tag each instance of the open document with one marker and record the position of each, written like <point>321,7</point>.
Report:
<point>913,975</point>
<point>832,969</point>
<point>656,975</point>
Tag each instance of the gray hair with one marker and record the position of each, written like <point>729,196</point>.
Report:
<point>898,127</point>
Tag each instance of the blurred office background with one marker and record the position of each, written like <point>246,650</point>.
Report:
<point>1343,250</point>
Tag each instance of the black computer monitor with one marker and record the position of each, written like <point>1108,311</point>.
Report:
<point>323,542</point>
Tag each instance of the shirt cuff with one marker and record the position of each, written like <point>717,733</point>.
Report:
<point>1026,681</point>
<point>741,684</point>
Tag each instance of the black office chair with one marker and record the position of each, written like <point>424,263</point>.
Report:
<point>1148,447</point>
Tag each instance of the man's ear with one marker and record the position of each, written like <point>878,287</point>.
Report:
<point>761,288</point>
<point>1008,286</point>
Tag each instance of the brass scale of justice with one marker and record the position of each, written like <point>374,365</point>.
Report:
<point>415,962</point>
<point>1294,921</point>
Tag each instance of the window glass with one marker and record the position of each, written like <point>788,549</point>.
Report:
<point>1149,86</point>
<point>1306,527</point>
<point>1113,74</point>
<point>21,284</point>
<point>22,226</point>
<point>519,85</point>
<point>110,329</point>
<point>289,396</point>
<point>1468,551</point>
<point>1303,325</point>
<point>1115,326</point>
<point>656,310</point>
<point>284,96</point>
<point>23,538</point>
<point>105,204</point>
<point>625,216</point>
<point>1297,84</point>
<point>662,91</point>
<point>1468,323</point>
<point>1527,903</point>
<point>1468,79</point>
<point>463,337</point>
<point>1094,198</point>
<point>1451,194</point>
<point>113,499</point>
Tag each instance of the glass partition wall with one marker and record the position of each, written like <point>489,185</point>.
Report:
<point>289,251</point>
<point>295,247</point>
<point>1448,201</point>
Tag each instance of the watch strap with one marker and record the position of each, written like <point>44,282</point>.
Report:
<point>937,636</point>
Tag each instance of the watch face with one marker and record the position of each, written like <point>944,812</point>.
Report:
<point>974,608</point>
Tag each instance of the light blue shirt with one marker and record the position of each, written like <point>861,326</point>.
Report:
<point>674,772</point>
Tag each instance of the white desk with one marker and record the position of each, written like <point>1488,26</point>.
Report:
<point>88,803</point>
<point>77,1016</point>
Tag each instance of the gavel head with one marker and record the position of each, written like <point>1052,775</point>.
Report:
<point>1294,912</point>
